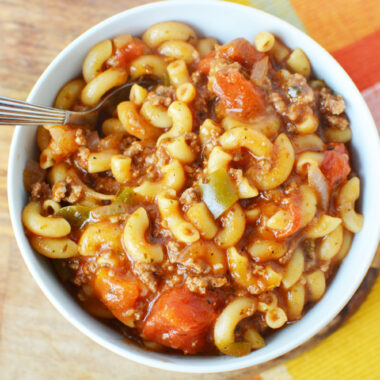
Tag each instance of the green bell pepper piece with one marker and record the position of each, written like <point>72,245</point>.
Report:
<point>104,212</point>
<point>219,193</point>
<point>125,195</point>
<point>166,80</point>
<point>76,215</point>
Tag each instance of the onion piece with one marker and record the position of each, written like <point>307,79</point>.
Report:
<point>318,181</point>
<point>260,70</point>
<point>32,174</point>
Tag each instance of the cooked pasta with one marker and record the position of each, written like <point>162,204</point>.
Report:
<point>209,207</point>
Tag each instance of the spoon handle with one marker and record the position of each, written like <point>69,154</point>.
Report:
<point>17,112</point>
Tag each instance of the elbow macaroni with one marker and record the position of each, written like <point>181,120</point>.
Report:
<point>180,150</point>
<point>98,236</point>
<point>347,196</point>
<point>233,227</point>
<point>95,58</point>
<point>227,321</point>
<point>134,240</point>
<point>105,81</point>
<point>147,65</point>
<point>182,120</point>
<point>268,125</point>
<point>202,199</point>
<point>61,248</point>
<point>264,41</point>
<point>156,115</point>
<point>134,123</point>
<point>169,209</point>
<point>299,62</point>
<point>256,142</point>
<point>200,216</point>
<point>173,177</point>
<point>167,31</point>
<point>186,92</point>
<point>69,93</point>
<point>281,167</point>
<point>179,49</point>
<point>46,226</point>
<point>178,73</point>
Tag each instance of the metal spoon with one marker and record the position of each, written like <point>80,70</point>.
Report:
<point>17,112</point>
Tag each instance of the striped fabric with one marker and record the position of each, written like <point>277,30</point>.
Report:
<point>350,31</point>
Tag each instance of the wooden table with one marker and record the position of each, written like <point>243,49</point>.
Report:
<point>36,342</point>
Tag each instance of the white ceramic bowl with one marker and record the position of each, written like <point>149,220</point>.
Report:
<point>224,21</point>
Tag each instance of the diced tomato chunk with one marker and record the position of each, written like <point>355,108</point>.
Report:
<point>238,95</point>
<point>335,165</point>
<point>119,294</point>
<point>240,50</point>
<point>205,63</point>
<point>181,320</point>
<point>129,52</point>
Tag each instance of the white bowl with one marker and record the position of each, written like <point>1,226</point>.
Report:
<point>224,21</point>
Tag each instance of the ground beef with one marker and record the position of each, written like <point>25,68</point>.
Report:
<point>79,137</point>
<point>192,140</point>
<point>40,190</point>
<point>309,247</point>
<point>126,142</point>
<point>179,254</point>
<point>172,281</point>
<point>331,103</point>
<point>84,269</point>
<point>134,149</point>
<point>190,196</point>
<point>153,162</point>
<point>221,63</point>
<point>152,174</point>
<point>173,247</point>
<point>212,138</point>
<point>298,90</point>
<point>237,175</point>
<point>162,157</point>
<point>296,111</point>
<point>197,77</point>
<point>192,259</point>
<point>59,191</point>
<point>165,91</point>
<point>264,164</point>
<point>67,191</point>
<point>162,96</point>
<point>201,105</point>
<point>339,122</point>
<point>189,170</point>
<point>107,185</point>
<point>82,157</point>
<point>75,194</point>
<point>278,103</point>
<point>200,284</point>
<point>297,103</point>
<point>147,274</point>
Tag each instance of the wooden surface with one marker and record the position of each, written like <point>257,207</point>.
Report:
<point>36,342</point>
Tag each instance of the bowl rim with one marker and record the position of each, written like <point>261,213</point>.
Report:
<point>126,352</point>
